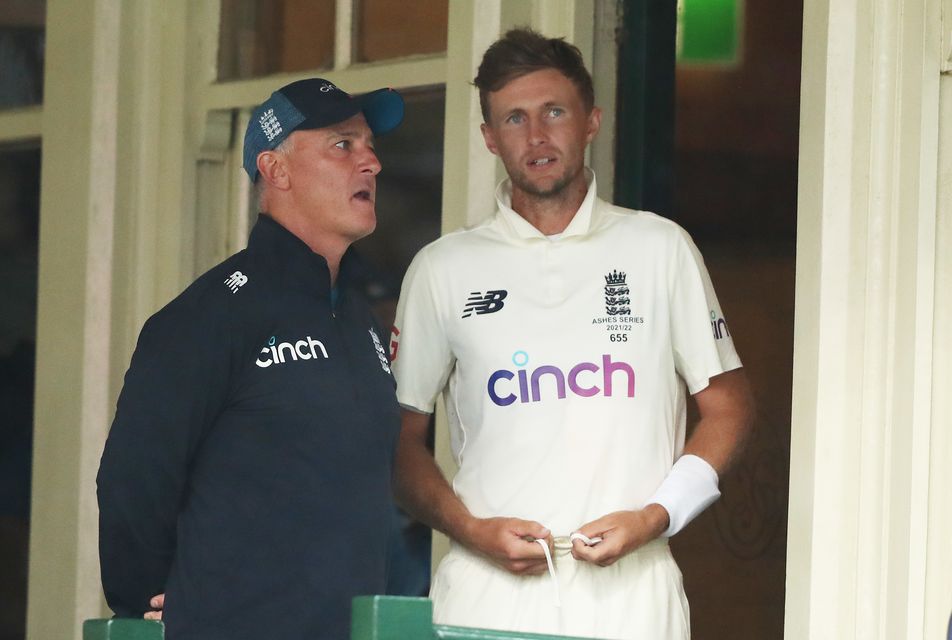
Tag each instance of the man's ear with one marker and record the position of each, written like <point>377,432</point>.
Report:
<point>594,124</point>
<point>272,166</point>
<point>489,137</point>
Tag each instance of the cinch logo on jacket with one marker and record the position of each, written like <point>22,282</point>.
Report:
<point>582,380</point>
<point>281,353</point>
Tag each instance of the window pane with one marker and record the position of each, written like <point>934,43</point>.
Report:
<point>261,37</point>
<point>19,232</point>
<point>409,198</point>
<point>22,35</point>
<point>390,29</point>
<point>708,31</point>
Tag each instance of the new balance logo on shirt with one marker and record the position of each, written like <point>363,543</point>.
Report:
<point>489,303</point>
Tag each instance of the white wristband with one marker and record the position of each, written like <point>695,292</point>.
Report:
<point>689,489</point>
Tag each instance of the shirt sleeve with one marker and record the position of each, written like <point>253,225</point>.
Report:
<point>421,353</point>
<point>173,390</point>
<point>703,346</point>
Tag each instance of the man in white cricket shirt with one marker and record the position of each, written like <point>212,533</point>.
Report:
<point>565,334</point>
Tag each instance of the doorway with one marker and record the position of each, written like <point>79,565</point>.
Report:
<point>708,136</point>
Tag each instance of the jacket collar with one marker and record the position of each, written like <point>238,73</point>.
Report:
<point>515,225</point>
<point>291,262</point>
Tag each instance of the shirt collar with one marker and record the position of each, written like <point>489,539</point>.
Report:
<point>517,225</point>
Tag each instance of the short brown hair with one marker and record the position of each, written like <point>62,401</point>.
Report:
<point>522,51</point>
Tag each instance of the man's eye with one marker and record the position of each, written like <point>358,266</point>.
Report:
<point>556,112</point>
<point>343,144</point>
<point>515,118</point>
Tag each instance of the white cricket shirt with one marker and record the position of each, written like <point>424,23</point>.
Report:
<point>563,361</point>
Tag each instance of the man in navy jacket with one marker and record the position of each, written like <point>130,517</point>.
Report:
<point>247,473</point>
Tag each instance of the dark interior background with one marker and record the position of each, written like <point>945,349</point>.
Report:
<point>714,147</point>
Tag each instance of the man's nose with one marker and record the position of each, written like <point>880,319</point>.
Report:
<point>537,132</point>
<point>369,163</point>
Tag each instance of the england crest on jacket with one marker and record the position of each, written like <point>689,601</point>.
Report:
<point>381,354</point>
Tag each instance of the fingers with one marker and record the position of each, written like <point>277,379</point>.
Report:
<point>530,529</point>
<point>601,527</point>
<point>157,602</point>
<point>529,553</point>
<point>524,555</point>
<point>594,530</point>
<point>591,553</point>
<point>603,554</point>
<point>620,533</point>
<point>512,544</point>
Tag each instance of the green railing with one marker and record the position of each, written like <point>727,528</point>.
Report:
<point>372,618</point>
<point>123,629</point>
<point>396,618</point>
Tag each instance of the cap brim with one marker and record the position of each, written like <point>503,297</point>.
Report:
<point>383,109</point>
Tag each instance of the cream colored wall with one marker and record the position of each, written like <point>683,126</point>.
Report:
<point>113,224</point>
<point>73,321</point>
<point>869,503</point>
<point>21,124</point>
<point>938,549</point>
<point>938,586</point>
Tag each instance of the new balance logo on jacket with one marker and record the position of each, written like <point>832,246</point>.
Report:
<point>236,280</point>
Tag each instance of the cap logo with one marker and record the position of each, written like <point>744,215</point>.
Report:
<point>328,87</point>
<point>270,125</point>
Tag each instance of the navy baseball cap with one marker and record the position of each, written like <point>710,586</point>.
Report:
<point>313,104</point>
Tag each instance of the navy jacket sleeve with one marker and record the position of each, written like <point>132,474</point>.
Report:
<point>175,387</point>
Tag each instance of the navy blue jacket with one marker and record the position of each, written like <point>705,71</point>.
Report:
<point>247,473</point>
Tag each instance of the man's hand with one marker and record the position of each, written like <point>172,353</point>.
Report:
<point>622,532</point>
<point>157,602</point>
<point>509,542</point>
<point>422,491</point>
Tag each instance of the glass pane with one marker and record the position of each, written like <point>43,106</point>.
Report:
<point>19,232</point>
<point>708,31</point>
<point>388,29</point>
<point>22,38</point>
<point>261,37</point>
<point>409,197</point>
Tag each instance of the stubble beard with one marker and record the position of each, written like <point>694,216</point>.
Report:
<point>554,191</point>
